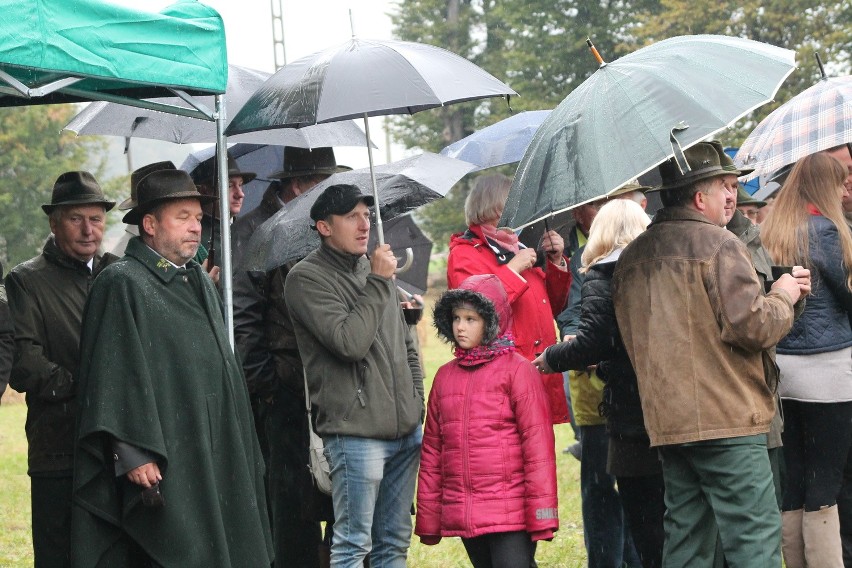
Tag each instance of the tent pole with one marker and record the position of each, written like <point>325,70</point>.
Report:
<point>226,274</point>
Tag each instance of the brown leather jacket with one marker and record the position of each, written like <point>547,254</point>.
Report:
<point>695,323</point>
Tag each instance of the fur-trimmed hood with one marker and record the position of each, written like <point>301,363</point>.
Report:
<point>488,297</point>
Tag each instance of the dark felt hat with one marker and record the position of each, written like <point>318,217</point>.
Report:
<point>159,186</point>
<point>743,198</point>
<point>703,163</point>
<point>206,171</point>
<point>308,162</point>
<point>727,163</point>
<point>77,188</point>
<point>338,200</point>
<point>136,176</point>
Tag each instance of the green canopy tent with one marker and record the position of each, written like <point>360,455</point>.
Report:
<point>59,51</point>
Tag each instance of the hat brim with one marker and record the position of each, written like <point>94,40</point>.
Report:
<point>687,181</point>
<point>135,215</point>
<point>283,174</point>
<point>49,207</point>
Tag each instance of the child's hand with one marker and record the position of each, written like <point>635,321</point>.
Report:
<point>541,364</point>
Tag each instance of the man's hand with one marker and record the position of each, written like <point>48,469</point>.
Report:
<point>383,261</point>
<point>554,246</point>
<point>524,259</point>
<point>145,475</point>
<point>790,285</point>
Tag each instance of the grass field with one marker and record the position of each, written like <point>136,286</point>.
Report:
<point>565,551</point>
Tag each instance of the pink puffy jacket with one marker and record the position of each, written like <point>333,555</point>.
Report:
<point>487,462</point>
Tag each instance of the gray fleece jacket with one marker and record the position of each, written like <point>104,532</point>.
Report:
<point>363,369</point>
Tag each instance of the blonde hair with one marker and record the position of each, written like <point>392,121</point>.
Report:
<point>617,223</point>
<point>485,202</point>
<point>816,180</point>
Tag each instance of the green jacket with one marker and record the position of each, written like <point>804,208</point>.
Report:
<point>157,373</point>
<point>46,298</point>
<point>363,370</point>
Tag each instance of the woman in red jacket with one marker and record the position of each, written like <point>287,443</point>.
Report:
<point>537,285</point>
<point>487,468</point>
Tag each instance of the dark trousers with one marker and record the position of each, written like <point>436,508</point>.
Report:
<point>844,508</point>
<point>296,534</point>
<point>500,550</point>
<point>51,505</point>
<point>606,535</point>
<point>643,499</point>
<point>816,444</point>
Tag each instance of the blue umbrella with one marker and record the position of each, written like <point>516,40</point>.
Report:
<point>501,143</point>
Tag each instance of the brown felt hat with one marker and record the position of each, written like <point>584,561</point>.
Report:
<point>206,171</point>
<point>629,187</point>
<point>77,188</point>
<point>160,186</point>
<point>703,161</point>
<point>743,198</point>
<point>308,162</point>
<point>136,176</point>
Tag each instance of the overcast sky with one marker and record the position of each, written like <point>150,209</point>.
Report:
<point>309,26</point>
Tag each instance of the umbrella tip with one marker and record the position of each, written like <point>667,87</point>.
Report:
<point>595,53</point>
<point>821,68</point>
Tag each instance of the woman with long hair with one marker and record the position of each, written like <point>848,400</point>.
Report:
<point>630,459</point>
<point>807,228</point>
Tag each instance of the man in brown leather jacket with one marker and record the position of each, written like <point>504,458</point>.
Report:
<point>695,323</point>
<point>46,297</point>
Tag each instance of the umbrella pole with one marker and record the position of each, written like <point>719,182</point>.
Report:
<point>225,274</point>
<point>380,233</point>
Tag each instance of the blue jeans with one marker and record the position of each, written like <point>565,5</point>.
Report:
<point>372,486</point>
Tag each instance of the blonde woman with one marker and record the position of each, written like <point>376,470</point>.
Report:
<point>807,228</point>
<point>635,466</point>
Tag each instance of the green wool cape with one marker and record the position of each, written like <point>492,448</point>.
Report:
<point>157,372</point>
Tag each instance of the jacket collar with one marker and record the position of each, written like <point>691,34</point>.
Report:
<point>342,261</point>
<point>55,255</point>
<point>667,214</point>
<point>154,262</point>
<point>742,227</point>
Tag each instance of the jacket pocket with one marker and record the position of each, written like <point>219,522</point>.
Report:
<point>361,373</point>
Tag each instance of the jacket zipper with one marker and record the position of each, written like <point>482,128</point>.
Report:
<point>464,449</point>
<point>359,390</point>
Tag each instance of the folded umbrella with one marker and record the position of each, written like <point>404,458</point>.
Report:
<point>638,111</point>
<point>501,143</point>
<point>816,119</point>
<point>404,186</point>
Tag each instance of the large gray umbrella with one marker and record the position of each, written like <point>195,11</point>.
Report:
<point>404,185</point>
<point>363,78</point>
<point>636,112</point>
<point>112,119</point>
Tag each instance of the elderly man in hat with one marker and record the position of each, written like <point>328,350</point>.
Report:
<point>46,298</point>
<point>267,345</point>
<point>696,323</point>
<point>206,176</point>
<point>168,471</point>
<point>363,373</point>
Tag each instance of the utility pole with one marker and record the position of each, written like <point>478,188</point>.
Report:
<point>277,11</point>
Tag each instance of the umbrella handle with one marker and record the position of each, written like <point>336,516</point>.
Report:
<point>409,260</point>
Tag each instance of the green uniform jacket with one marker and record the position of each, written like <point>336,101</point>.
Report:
<point>46,299</point>
<point>157,373</point>
<point>363,370</point>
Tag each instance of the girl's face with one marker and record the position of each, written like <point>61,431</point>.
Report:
<point>468,327</point>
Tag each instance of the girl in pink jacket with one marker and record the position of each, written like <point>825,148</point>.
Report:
<point>487,469</point>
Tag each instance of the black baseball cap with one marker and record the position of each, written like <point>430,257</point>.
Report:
<point>338,200</point>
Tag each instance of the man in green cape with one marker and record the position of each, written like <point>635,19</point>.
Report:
<point>168,469</point>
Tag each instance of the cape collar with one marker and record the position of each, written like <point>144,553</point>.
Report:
<point>155,262</point>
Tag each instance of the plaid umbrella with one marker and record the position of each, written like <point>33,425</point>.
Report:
<point>816,119</point>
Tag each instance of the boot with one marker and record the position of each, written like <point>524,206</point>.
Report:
<point>792,544</point>
<point>821,533</point>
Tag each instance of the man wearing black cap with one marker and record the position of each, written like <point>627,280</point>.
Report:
<point>696,323</point>
<point>364,378</point>
<point>267,346</point>
<point>46,298</point>
<point>168,471</point>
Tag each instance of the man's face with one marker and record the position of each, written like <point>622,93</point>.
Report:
<point>730,184</point>
<point>718,200</point>
<point>235,196</point>
<point>347,233</point>
<point>174,230</point>
<point>843,156</point>
<point>749,211</point>
<point>585,214</point>
<point>79,230</point>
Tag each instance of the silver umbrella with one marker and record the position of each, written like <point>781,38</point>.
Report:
<point>363,78</point>
<point>404,185</point>
<point>112,119</point>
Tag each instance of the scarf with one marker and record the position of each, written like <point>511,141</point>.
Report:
<point>485,353</point>
<point>504,238</point>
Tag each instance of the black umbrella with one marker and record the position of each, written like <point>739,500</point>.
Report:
<point>402,233</point>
